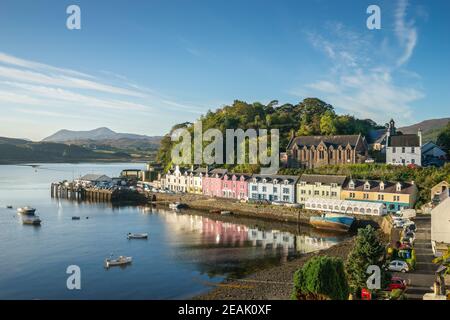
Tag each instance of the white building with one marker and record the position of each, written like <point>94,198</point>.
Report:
<point>440,220</point>
<point>345,206</point>
<point>403,149</point>
<point>174,180</point>
<point>93,179</point>
<point>272,188</point>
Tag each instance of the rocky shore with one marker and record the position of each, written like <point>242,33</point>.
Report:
<point>274,283</point>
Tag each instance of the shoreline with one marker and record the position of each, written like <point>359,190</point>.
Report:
<point>261,211</point>
<point>272,283</point>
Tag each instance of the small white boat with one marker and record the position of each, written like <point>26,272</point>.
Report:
<point>26,210</point>
<point>120,261</point>
<point>226,213</point>
<point>137,235</point>
<point>176,205</point>
<point>32,220</point>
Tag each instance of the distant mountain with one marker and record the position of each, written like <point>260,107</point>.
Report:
<point>430,128</point>
<point>20,151</point>
<point>96,135</point>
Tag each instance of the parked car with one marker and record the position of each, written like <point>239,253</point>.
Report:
<point>398,266</point>
<point>409,234</point>
<point>409,227</point>
<point>397,283</point>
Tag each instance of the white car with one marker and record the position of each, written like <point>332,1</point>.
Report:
<point>398,266</point>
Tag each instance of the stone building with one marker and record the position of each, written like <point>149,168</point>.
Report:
<point>316,151</point>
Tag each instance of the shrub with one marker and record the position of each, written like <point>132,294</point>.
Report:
<point>321,278</point>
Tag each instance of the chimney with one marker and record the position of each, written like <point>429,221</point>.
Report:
<point>419,133</point>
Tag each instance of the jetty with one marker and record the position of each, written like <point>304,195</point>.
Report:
<point>117,195</point>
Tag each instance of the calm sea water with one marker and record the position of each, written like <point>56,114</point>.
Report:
<point>186,254</point>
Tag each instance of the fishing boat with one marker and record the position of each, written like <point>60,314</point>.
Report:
<point>75,218</point>
<point>332,221</point>
<point>31,220</point>
<point>137,235</point>
<point>26,210</point>
<point>120,261</point>
<point>176,205</point>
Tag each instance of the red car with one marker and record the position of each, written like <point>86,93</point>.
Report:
<point>397,283</point>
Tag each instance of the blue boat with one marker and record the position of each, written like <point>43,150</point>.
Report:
<point>332,221</point>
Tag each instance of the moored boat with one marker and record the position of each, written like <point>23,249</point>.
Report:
<point>121,260</point>
<point>333,221</point>
<point>215,211</point>
<point>31,220</point>
<point>9,207</point>
<point>75,218</point>
<point>176,205</point>
<point>137,235</point>
<point>26,210</point>
<point>226,213</point>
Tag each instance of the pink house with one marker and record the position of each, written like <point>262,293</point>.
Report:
<point>235,186</point>
<point>212,183</point>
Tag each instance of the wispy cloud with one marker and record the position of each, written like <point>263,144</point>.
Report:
<point>38,85</point>
<point>406,32</point>
<point>363,79</point>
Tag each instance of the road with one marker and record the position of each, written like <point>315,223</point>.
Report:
<point>421,280</point>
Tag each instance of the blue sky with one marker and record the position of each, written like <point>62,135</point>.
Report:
<point>143,66</point>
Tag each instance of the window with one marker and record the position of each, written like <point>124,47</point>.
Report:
<point>285,198</point>
<point>303,191</point>
<point>285,190</point>
<point>403,149</point>
<point>334,194</point>
<point>275,189</point>
<point>334,185</point>
<point>321,155</point>
<point>367,186</point>
<point>413,150</point>
<point>413,161</point>
<point>366,196</point>
<point>316,192</point>
<point>381,197</point>
<point>264,189</point>
<point>394,149</point>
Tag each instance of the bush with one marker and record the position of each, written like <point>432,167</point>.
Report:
<point>321,278</point>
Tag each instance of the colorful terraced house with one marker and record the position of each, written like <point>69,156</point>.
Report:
<point>394,195</point>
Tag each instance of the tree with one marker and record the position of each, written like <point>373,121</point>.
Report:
<point>321,278</point>
<point>327,125</point>
<point>443,139</point>
<point>368,250</point>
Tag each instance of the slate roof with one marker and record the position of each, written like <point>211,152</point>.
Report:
<point>405,140</point>
<point>280,178</point>
<point>389,186</point>
<point>324,179</point>
<point>334,141</point>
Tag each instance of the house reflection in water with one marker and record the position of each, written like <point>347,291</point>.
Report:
<point>232,234</point>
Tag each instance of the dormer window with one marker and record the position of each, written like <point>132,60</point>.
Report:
<point>398,187</point>
<point>381,186</point>
<point>275,181</point>
<point>351,185</point>
<point>318,184</point>
<point>334,185</point>
<point>264,181</point>
<point>367,185</point>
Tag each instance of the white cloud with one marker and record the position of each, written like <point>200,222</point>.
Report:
<point>405,31</point>
<point>364,79</point>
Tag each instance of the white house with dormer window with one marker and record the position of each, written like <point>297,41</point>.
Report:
<point>272,188</point>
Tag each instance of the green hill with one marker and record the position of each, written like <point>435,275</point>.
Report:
<point>19,151</point>
<point>311,116</point>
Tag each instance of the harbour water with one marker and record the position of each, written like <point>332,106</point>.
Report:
<point>186,253</point>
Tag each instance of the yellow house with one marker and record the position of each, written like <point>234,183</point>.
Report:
<point>194,180</point>
<point>394,195</point>
<point>319,186</point>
